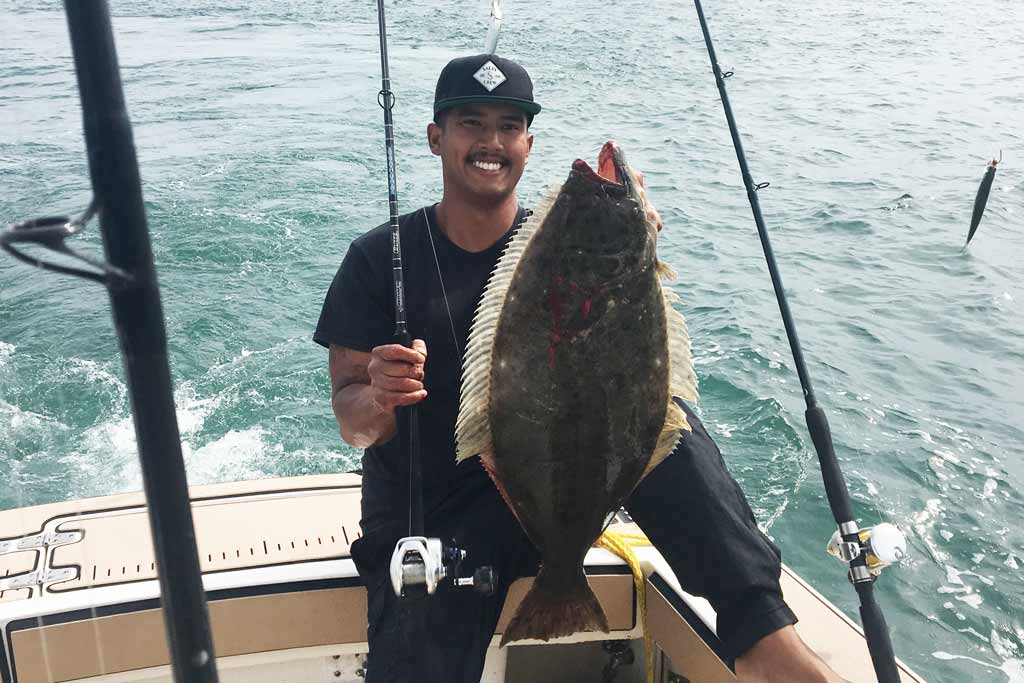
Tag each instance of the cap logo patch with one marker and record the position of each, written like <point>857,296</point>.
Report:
<point>489,76</point>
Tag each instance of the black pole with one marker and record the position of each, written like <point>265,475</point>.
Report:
<point>410,413</point>
<point>875,629</point>
<point>140,326</point>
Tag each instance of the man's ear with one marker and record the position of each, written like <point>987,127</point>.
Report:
<point>529,146</point>
<point>434,133</point>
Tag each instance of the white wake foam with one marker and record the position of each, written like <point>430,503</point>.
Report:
<point>6,351</point>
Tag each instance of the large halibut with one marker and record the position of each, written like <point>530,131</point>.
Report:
<point>573,358</point>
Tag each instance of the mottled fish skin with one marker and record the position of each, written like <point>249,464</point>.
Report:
<point>579,386</point>
<point>589,299</point>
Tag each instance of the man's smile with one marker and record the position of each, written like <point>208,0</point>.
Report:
<point>488,165</point>
<point>492,165</point>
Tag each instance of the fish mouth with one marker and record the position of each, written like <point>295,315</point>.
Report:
<point>611,168</point>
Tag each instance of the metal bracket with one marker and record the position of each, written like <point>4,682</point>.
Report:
<point>860,574</point>
<point>619,655</point>
<point>849,551</point>
<point>50,233</point>
<point>417,561</point>
<point>39,541</point>
<point>38,578</point>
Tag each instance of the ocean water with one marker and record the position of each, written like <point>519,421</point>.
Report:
<point>261,150</point>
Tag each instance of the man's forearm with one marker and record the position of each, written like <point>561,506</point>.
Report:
<point>361,422</point>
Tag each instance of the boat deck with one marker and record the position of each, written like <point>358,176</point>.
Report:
<point>79,596</point>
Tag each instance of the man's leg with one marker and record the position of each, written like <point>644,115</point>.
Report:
<point>445,638</point>
<point>697,516</point>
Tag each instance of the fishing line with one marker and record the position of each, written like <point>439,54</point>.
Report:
<point>444,292</point>
<point>849,428</point>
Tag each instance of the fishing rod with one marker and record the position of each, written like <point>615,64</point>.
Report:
<point>855,547</point>
<point>386,99</point>
<point>418,564</point>
<point>130,277</point>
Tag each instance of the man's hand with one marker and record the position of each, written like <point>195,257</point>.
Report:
<point>782,657</point>
<point>366,388</point>
<point>396,375</point>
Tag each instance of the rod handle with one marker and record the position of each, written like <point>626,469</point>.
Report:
<point>835,484</point>
<point>876,631</point>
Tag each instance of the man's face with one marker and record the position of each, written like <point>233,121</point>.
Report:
<point>483,150</point>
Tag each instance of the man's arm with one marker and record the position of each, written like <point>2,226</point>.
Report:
<point>366,388</point>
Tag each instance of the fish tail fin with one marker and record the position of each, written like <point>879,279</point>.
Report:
<point>552,609</point>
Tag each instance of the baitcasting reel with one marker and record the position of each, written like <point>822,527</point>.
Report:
<point>881,545</point>
<point>419,565</point>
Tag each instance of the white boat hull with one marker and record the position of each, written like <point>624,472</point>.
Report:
<point>79,598</point>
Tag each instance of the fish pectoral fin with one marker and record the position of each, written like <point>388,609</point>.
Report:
<point>675,425</point>
<point>665,271</point>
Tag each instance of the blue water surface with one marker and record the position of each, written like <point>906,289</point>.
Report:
<point>261,148</point>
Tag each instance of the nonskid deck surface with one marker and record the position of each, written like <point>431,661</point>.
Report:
<point>282,588</point>
<point>240,525</point>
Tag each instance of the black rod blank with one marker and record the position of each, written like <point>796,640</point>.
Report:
<point>875,629</point>
<point>138,316</point>
<point>407,413</point>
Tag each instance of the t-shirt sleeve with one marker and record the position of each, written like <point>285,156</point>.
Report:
<point>355,313</point>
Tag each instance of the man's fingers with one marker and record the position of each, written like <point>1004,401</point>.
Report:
<point>402,385</point>
<point>389,400</point>
<point>378,369</point>
<point>654,217</point>
<point>404,354</point>
<point>396,374</point>
<point>410,399</point>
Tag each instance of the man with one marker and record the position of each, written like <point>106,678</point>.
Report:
<point>483,109</point>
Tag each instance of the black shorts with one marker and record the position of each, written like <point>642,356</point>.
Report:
<point>690,507</point>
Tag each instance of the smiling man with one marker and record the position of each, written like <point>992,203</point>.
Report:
<point>483,109</point>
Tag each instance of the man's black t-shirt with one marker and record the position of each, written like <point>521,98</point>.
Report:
<point>359,313</point>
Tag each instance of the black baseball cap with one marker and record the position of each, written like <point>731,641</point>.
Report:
<point>484,78</point>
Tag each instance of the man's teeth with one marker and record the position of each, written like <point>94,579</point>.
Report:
<point>487,165</point>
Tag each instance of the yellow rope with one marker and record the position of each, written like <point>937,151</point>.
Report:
<point>622,544</point>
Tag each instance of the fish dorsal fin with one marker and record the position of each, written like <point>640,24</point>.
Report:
<point>675,425</point>
<point>682,378</point>
<point>682,381</point>
<point>473,427</point>
<point>665,271</point>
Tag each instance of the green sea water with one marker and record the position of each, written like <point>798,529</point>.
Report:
<point>261,150</point>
